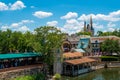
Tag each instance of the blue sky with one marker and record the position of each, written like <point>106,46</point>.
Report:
<point>67,15</point>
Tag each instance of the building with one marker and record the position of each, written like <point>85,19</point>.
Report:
<point>95,43</point>
<point>19,59</point>
<point>89,27</point>
<point>70,42</point>
<point>84,44</point>
<point>75,64</point>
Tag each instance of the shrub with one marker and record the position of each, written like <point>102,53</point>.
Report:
<point>39,76</point>
<point>109,58</point>
<point>57,76</point>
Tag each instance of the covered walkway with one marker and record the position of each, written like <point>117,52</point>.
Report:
<point>19,59</point>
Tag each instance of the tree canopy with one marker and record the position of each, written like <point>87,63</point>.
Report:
<point>84,33</point>
<point>110,46</point>
<point>48,40</point>
<point>45,39</point>
<point>108,33</point>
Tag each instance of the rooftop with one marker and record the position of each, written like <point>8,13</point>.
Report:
<point>72,54</point>
<point>80,61</point>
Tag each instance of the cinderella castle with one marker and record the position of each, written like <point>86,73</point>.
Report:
<point>89,27</point>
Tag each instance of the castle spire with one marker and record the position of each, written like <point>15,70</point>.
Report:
<point>85,26</point>
<point>91,23</point>
<point>91,26</point>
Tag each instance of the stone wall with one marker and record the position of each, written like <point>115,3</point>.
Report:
<point>7,75</point>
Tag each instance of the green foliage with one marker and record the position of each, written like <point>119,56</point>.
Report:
<point>47,40</point>
<point>13,41</point>
<point>114,33</point>
<point>109,58</point>
<point>110,46</point>
<point>57,76</point>
<point>84,33</point>
<point>39,76</point>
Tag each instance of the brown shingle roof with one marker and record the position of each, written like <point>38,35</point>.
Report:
<point>80,61</point>
<point>72,54</point>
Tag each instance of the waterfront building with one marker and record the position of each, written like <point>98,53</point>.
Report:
<point>75,64</point>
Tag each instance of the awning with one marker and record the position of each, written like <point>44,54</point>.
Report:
<point>18,55</point>
<point>79,50</point>
<point>80,61</point>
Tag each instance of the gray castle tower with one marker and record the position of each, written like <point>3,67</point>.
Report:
<point>89,27</point>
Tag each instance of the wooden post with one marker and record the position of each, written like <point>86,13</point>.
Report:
<point>65,69</point>
<point>78,70</point>
<point>73,70</point>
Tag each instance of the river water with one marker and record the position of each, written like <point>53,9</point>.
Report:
<point>101,74</point>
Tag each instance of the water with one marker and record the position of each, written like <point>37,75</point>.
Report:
<point>102,74</point>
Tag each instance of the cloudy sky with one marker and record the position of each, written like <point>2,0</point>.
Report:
<point>67,15</point>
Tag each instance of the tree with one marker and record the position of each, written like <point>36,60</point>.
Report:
<point>109,46</point>
<point>84,33</point>
<point>108,33</point>
<point>99,33</point>
<point>47,40</point>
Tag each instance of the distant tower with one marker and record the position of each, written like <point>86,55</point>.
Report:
<point>85,28</point>
<point>88,28</point>
<point>91,23</point>
<point>91,26</point>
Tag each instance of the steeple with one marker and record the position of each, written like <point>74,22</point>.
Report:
<point>91,26</point>
<point>91,23</point>
<point>85,26</point>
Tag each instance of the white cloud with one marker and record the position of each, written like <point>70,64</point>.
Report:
<point>3,6</point>
<point>98,26</point>
<point>41,14</point>
<point>15,6</point>
<point>110,24</point>
<point>113,16</point>
<point>111,29</point>
<point>18,26</point>
<point>4,28</point>
<point>72,26</point>
<point>52,23</point>
<point>22,22</point>
<point>26,21</point>
<point>70,15</point>
<point>15,25</point>
<point>24,29</point>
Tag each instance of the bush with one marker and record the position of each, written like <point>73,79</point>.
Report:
<point>39,76</point>
<point>57,76</point>
<point>109,58</point>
